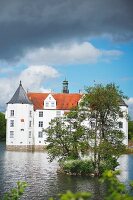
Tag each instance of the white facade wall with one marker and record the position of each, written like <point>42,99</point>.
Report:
<point>124,121</point>
<point>42,118</point>
<point>48,115</point>
<point>18,132</point>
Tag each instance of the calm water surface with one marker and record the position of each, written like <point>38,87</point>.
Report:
<point>42,177</point>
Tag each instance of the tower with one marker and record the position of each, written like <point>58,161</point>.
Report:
<point>19,115</point>
<point>65,86</point>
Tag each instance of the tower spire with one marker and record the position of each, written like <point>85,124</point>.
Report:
<point>65,86</point>
<point>20,96</point>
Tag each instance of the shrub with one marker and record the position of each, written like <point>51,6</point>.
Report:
<point>15,193</point>
<point>77,167</point>
<point>77,196</point>
<point>110,164</point>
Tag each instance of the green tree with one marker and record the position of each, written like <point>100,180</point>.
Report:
<point>91,128</point>
<point>2,126</point>
<point>101,108</point>
<point>130,130</point>
<point>66,137</point>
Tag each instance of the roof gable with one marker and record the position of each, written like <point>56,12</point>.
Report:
<point>49,98</point>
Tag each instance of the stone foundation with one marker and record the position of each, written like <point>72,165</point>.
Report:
<point>25,147</point>
<point>19,147</point>
<point>40,147</point>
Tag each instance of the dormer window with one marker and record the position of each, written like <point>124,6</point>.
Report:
<point>52,104</point>
<point>47,104</point>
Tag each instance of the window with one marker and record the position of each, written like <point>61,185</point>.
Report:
<point>30,113</point>
<point>120,114</point>
<point>40,124</point>
<point>30,123</point>
<point>11,112</point>
<point>40,114</point>
<point>92,124</point>
<point>40,134</point>
<point>58,113</point>
<point>11,134</point>
<point>120,125</point>
<point>52,104</point>
<point>11,123</point>
<point>75,125</point>
<point>29,134</point>
<point>47,104</point>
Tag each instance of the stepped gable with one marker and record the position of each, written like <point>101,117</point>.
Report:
<point>20,96</point>
<point>64,101</point>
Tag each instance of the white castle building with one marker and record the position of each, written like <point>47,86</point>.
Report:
<point>28,114</point>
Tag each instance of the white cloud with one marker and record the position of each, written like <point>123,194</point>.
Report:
<point>73,53</point>
<point>130,107</point>
<point>33,78</point>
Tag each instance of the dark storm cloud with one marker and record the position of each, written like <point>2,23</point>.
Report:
<point>26,24</point>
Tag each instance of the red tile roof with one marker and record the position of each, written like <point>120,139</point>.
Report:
<point>63,101</point>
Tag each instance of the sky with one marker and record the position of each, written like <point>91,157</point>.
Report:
<point>45,41</point>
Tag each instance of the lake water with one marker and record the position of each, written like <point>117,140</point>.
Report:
<point>42,177</point>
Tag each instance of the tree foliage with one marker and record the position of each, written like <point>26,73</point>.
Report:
<point>74,196</point>
<point>66,137</point>
<point>91,128</point>
<point>2,126</point>
<point>78,167</point>
<point>130,130</point>
<point>114,188</point>
<point>101,105</point>
<point>16,193</point>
